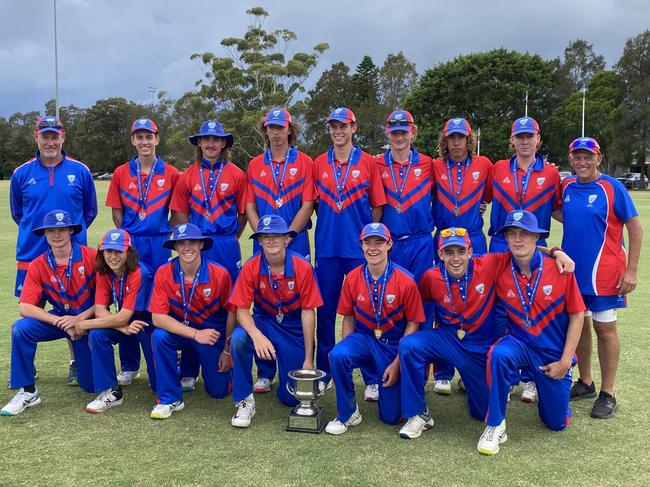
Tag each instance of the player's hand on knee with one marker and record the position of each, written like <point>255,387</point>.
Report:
<point>225,364</point>
<point>208,336</point>
<point>263,347</point>
<point>135,327</point>
<point>391,374</point>
<point>555,370</point>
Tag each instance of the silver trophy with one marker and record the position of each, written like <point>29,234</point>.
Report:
<point>306,417</point>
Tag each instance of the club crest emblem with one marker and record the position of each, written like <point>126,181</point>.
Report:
<point>547,289</point>
<point>480,288</point>
<point>59,217</point>
<point>338,111</point>
<point>399,116</point>
<point>291,285</point>
<point>197,188</point>
<point>516,216</point>
<point>160,183</point>
<point>53,279</point>
<point>224,186</point>
<point>276,113</point>
<point>262,285</point>
<point>374,226</point>
<point>390,298</point>
<point>181,230</point>
<point>475,175</point>
<point>446,299</point>
<point>540,181</point>
<point>355,173</point>
<point>456,121</point>
<point>207,291</point>
<point>212,125</point>
<point>266,221</point>
<point>71,178</point>
<point>523,122</point>
<point>115,236</point>
<point>592,198</point>
<point>82,270</point>
<point>293,171</point>
<point>325,176</point>
<point>417,172</point>
<point>142,121</point>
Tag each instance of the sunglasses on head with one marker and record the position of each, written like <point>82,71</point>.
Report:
<point>399,123</point>
<point>49,123</point>
<point>453,232</point>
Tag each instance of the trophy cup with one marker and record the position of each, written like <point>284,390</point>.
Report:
<point>306,417</point>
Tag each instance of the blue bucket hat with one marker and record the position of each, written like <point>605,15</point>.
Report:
<point>273,225</point>
<point>57,219</point>
<point>212,128</point>
<point>522,219</point>
<point>187,231</point>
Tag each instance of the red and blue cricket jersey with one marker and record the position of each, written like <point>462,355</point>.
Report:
<point>407,185</point>
<point>280,297</point>
<point>460,189</point>
<point>347,191</point>
<point>69,287</point>
<point>36,189</point>
<point>207,306</point>
<point>144,198</point>
<point>511,188</point>
<point>594,214</point>
<point>386,304</point>
<point>280,187</point>
<point>132,291</point>
<point>212,197</point>
<point>471,305</point>
<point>554,297</point>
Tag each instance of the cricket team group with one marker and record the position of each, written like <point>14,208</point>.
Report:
<point>400,254</point>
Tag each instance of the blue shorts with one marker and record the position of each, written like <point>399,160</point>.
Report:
<point>604,303</point>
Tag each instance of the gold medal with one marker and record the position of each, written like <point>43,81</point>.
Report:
<point>456,210</point>
<point>460,333</point>
<point>398,208</point>
<point>378,333</point>
<point>142,215</point>
<point>66,306</point>
<point>339,205</point>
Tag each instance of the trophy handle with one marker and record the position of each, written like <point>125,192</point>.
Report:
<point>291,391</point>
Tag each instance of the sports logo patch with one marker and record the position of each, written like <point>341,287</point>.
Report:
<point>384,174</point>
<point>547,289</point>
<point>31,181</point>
<point>445,299</point>
<point>355,173</point>
<point>115,236</point>
<point>197,188</point>
<point>516,216</point>
<point>374,226</point>
<point>276,113</point>
<point>506,180</point>
<point>59,216</point>
<point>540,181</point>
<point>417,172</point>
<point>131,185</point>
<point>567,199</point>
<point>223,187</point>
<point>262,285</point>
<point>71,178</point>
<point>181,230</point>
<point>510,294</point>
<point>592,198</point>
<point>457,121</point>
<point>325,176</point>
<point>207,291</point>
<point>475,175</point>
<point>390,298</point>
<point>160,183</point>
<point>338,110</point>
<point>263,173</point>
<point>399,116</point>
<point>293,171</point>
<point>212,125</point>
<point>266,221</point>
<point>291,285</point>
<point>360,297</point>
<point>523,122</point>
<point>82,270</point>
<point>480,288</point>
<point>142,121</point>
<point>53,279</point>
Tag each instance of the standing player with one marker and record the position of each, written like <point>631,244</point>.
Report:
<point>524,182</point>
<point>124,281</point>
<point>139,196</point>
<point>64,276</point>
<point>545,313</point>
<point>595,208</point>
<point>188,307</point>
<point>280,182</point>
<point>380,304</point>
<point>460,183</point>
<point>50,180</point>
<point>350,196</point>
<point>281,286</point>
<point>211,194</point>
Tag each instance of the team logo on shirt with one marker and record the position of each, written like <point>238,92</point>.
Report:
<point>325,176</point>
<point>510,294</point>
<point>475,175</point>
<point>263,173</point>
<point>417,172</point>
<point>355,174</point>
<point>131,185</point>
<point>160,183</point>
<point>197,188</point>
<point>178,294</point>
<point>540,181</point>
<point>53,279</point>
<point>547,289</point>
<point>262,285</point>
<point>390,298</point>
<point>238,264</point>
<point>31,181</point>
<point>384,174</point>
<point>207,291</point>
<point>591,199</point>
<point>360,297</point>
<point>224,186</point>
<point>293,171</point>
<point>291,285</point>
<point>82,270</point>
<point>115,236</point>
<point>480,288</point>
<point>445,299</point>
<point>128,289</point>
<point>71,178</point>
<point>506,180</point>
<point>567,199</point>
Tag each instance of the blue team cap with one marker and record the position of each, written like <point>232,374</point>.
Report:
<point>187,231</point>
<point>343,115</point>
<point>116,239</point>
<point>454,236</point>
<point>57,219</point>
<point>49,123</point>
<point>525,125</point>
<point>399,120</point>
<point>144,124</point>
<point>457,126</point>
<point>375,230</point>
<point>212,128</point>
<point>272,225</point>
<point>522,219</point>
<point>277,116</point>
<point>585,143</point>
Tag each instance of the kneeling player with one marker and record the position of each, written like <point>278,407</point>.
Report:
<point>380,304</point>
<point>281,286</point>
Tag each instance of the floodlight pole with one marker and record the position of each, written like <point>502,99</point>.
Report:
<point>584,100</point>
<point>56,66</point>
<point>526,105</point>
<point>478,142</point>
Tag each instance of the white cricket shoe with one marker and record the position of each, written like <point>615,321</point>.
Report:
<point>21,401</point>
<point>492,437</point>
<point>442,387</point>
<point>164,411</point>
<point>371,393</point>
<point>105,400</point>
<point>125,378</point>
<point>188,383</point>
<point>461,385</point>
<point>416,425</point>
<point>245,412</point>
<point>529,394</point>
<point>262,385</point>
<point>336,427</point>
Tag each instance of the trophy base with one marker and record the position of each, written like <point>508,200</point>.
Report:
<point>307,424</point>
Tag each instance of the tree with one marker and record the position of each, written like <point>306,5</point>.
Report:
<point>370,114</point>
<point>332,90</point>
<point>581,63</point>
<point>486,88</point>
<point>633,121</point>
<point>255,76</point>
<point>397,80</point>
<point>17,141</point>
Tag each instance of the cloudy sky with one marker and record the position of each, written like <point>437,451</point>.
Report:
<point>120,48</point>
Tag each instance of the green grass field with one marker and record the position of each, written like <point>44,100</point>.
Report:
<point>59,444</point>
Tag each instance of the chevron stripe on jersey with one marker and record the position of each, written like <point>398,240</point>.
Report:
<point>414,217</point>
<point>594,214</point>
<point>123,193</point>
<point>474,179</point>
<point>136,289</point>
<point>541,198</point>
<point>227,203</point>
<point>337,232</point>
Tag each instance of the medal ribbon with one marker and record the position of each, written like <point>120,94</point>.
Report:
<point>355,154</point>
<point>51,261</point>
<point>288,158</point>
<point>144,195</point>
<point>376,309</point>
<point>527,306</point>
<point>275,285</point>
<point>118,300</point>
<point>212,183</point>
<point>187,302</point>
<point>524,181</point>
<point>459,178</point>
<point>390,163</point>
<point>464,291</point>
